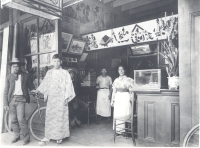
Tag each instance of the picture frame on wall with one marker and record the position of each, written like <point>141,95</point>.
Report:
<point>141,49</point>
<point>76,47</point>
<point>66,40</point>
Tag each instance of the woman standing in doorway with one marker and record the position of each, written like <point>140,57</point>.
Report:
<point>58,90</point>
<point>121,98</point>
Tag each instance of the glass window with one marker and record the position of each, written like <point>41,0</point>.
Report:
<point>39,59</point>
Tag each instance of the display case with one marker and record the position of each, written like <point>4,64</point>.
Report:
<point>90,79</point>
<point>149,79</point>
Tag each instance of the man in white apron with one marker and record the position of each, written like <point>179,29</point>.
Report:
<point>103,83</point>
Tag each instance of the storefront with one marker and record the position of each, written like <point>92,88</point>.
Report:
<point>88,38</point>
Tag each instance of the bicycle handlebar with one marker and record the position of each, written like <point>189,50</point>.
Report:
<point>36,95</point>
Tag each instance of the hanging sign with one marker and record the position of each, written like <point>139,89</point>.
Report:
<point>148,31</point>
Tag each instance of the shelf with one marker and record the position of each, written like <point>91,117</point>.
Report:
<point>144,55</point>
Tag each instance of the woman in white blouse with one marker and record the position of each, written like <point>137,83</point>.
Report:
<point>121,97</point>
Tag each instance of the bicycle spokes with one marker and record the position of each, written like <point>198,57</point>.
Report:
<point>41,117</point>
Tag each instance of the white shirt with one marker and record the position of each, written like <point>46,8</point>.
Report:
<point>18,86</point>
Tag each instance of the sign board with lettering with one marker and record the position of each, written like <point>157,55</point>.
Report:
<point>148,31</point>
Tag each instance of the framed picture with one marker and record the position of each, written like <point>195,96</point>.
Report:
<point>76,47</point>
<point>141,49</point>
<point>66,39</point>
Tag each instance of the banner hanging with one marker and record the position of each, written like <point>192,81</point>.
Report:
<point>148,31</point>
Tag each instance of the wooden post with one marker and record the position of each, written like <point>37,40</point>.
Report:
<point>10,40</point>
<point>15,41</point>
<point>58,37</point>
<point>38,50</point>
<point>158,55</point>
<point>4,66</point>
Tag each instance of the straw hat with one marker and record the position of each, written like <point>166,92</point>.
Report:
<point>16,61</point>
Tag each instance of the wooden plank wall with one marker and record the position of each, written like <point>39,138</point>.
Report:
<point>103,58</point>
<point>100,58</point>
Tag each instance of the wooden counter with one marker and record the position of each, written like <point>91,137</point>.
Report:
<point>158,114</point>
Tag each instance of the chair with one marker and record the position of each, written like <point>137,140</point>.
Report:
<point>91,111</point>
<point>129,124</point>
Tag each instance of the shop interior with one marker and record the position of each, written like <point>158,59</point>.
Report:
<point>36,39</point>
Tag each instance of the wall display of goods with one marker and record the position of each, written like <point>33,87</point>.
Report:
<point>76,47</point>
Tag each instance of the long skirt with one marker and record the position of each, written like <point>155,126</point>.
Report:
<point>103,103</point>
<point>122,109</point>
<point>57,118</point>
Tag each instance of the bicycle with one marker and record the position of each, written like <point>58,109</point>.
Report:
<point>36,120</point>
<point>192,137</point>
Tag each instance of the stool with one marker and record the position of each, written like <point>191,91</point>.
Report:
<point>127,130</point>
<point>130,121</point>
<point>91,108</point>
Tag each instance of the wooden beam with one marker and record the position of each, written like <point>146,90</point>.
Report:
<point>135,19</point>
<point>120,2</point>
<point>4,25</point>
<point>107,1</point>
<point>168,9</point>
<point>32,11</point>
<point>100,4</point>
<point>65,1</point>
<point>137,4</point>
<point>70,3</point>
<point>151,6</point>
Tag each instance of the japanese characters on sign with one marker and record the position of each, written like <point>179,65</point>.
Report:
<point>152,30</point>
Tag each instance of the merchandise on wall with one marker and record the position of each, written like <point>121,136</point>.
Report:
<point>142,49</point>
<point>66,40</point>
<point>71,25</point>
<point>84,17</point>
<point>76,47</point>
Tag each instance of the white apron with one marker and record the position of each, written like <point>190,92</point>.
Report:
<point>103,103</point>
<point>122,108</point>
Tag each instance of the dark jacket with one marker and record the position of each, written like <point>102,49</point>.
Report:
<point>10,87</point>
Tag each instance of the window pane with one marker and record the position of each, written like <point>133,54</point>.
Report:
<point>31,68</point>
<point>45,64</point>
<point>30,36</point>
<point>46,37</point>
<point>47,42</point>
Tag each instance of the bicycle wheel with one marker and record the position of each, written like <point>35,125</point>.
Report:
<point>6,122</point>
<point>192,138</point>
<point>37,123</point>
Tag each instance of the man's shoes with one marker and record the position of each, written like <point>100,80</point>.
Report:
<point>15,139</point>
<point>26,142</point>
<point>26,139</point>
<point>59,141</point>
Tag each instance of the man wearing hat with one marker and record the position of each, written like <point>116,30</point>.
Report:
<point>15,96</point>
